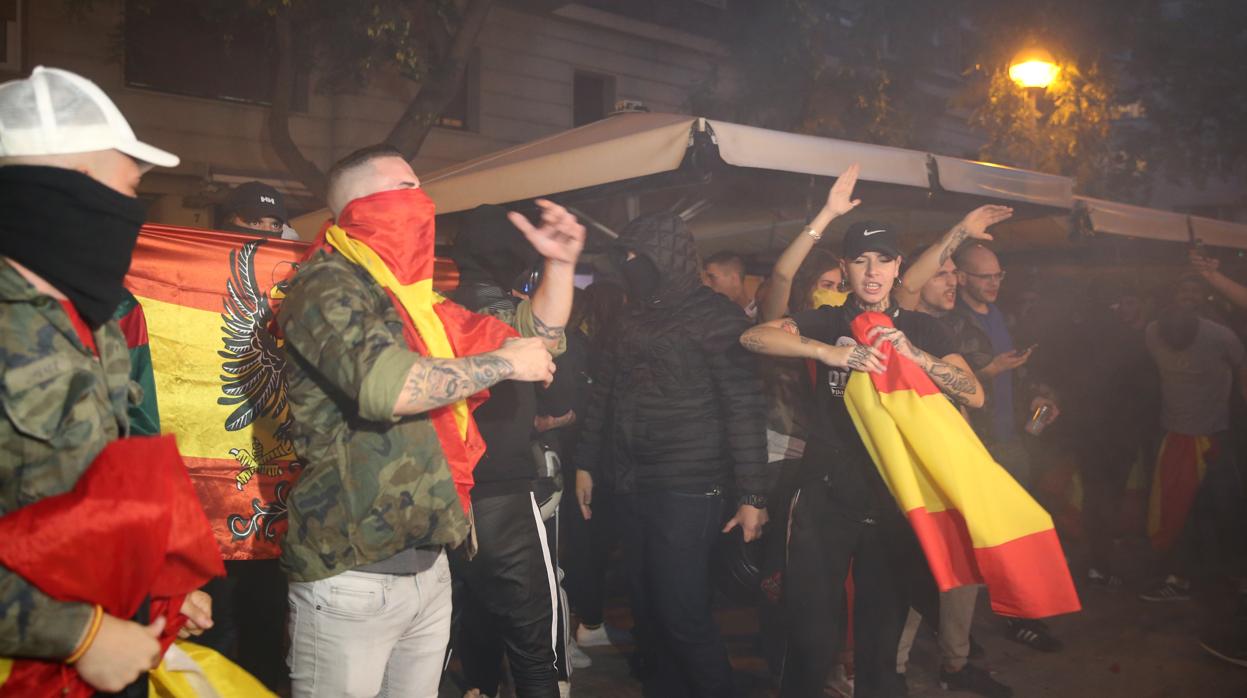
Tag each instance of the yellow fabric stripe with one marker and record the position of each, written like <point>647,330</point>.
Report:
<point>1155,500</point>
<point>417,299</point>
<point>948,468</point>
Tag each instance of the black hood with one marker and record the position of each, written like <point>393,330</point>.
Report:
<point>665,240</point>
<point>490,250</point>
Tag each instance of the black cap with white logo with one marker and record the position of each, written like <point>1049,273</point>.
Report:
<point>254,200</point>
<point>870,236</point>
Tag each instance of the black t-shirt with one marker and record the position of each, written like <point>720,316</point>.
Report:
<point>834,452</point>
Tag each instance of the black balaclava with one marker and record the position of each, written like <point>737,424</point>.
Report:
<point>74,232</point>
<point>641,277</point>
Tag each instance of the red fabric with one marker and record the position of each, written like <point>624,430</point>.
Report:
<point>399,226</point>
<point>80,326</point>
<point>134,327</point>
<point>131,528</point>
<point>902,375</point>
<point>1179,479</point>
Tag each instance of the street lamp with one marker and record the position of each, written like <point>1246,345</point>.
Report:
<point>1034,67</point>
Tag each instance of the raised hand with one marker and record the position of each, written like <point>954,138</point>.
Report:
<point>840,199</point>
<point>560,238</point>
<point>980,219</point>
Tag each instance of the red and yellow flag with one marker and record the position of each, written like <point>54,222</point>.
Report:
<point>1180,467</point>
<point>975,523</point>
<point>210,299</point>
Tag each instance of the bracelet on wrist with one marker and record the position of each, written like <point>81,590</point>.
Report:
<point>93,629</point>
<point>809,230</point>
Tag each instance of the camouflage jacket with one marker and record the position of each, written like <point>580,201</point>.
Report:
<point>61,407</point>
<point>373,485</point>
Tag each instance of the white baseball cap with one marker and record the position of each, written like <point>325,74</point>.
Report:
<point>56,112</point>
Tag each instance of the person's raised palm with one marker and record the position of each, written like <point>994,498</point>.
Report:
<point>980,219</point>
<point>840,199</point>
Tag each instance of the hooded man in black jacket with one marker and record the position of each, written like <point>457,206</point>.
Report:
<point>676,422</point>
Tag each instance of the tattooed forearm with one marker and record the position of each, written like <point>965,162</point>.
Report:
<point>432,383</point>
<point>956,236</point>
<point>550,333</point>
<point>953,381</point>
<point>752,342</point>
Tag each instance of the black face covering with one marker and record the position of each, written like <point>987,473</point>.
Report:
<point>642,278</point>
<point>74,232</point>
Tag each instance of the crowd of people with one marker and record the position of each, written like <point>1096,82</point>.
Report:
<point>473,463</point>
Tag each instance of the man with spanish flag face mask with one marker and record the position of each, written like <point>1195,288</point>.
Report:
<point>889,454</point>
<point>383,378</point>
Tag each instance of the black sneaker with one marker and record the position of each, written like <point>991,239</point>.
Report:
<point>1230,647</point>
<point>1033,634</point>
<point>1104,581</point>
<point>972,679</point>
<point>1172,589</point>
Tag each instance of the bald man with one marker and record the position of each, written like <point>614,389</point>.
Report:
<point>979,277</point>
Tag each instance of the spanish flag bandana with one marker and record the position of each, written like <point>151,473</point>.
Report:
<point>975,523</point>
<point>391,235</point>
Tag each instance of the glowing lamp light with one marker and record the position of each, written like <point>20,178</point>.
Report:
<point>1034,68</point>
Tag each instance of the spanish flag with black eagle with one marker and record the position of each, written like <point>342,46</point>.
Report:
<point>974,522</point>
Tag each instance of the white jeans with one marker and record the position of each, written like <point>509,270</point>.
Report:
<point>359,634</point>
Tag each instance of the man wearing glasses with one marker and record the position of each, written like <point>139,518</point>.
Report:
<point>978,282</point>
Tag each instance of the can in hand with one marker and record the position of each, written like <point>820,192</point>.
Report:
<point>1039,420</point>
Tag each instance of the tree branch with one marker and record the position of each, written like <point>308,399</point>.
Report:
<point>424,109</point>
<point>278,122</point>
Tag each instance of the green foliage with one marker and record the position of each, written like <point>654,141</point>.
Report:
<point>1067,130</point>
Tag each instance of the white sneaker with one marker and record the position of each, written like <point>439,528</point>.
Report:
<point>565,689</point>
<point>577,657</point>
<point>592,638</point>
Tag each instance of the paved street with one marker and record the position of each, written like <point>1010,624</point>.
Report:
<point>1118,646</point>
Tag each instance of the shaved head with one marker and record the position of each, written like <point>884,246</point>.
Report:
<point>977,258</point>
<point>978,276</point>
<point>366,172</point>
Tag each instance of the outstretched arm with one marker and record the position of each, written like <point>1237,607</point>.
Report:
<point>433,383</point>
<point>559,239</point>
<point>839,202</point>
<point>1209,268</point>
<point>782,338</point>
<point>973,226</point>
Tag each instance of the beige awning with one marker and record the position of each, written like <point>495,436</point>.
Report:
<point>633,145</point>
<point>1154,224</point>
<point>611,150</point>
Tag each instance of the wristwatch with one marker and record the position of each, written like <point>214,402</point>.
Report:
<point>753,500</point>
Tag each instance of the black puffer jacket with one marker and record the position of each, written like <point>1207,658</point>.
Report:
<point>677,403</point>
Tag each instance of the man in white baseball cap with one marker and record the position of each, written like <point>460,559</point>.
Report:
<point>69,219</point>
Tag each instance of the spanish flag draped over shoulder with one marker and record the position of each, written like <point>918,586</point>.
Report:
<point>390,235</point>
<point>975,523</point>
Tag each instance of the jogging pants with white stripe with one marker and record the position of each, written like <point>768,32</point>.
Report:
<point>511,587</point>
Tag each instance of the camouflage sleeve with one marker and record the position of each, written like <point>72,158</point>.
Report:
<point>32,624</point>
<point>331,320</point>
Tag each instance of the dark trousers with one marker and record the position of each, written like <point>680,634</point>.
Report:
<point>823,543</point>
<point>249,608</point>
<point>507,592</point>
<point>667,539</point>
<point>588,549</point>
<point>1212,539</point>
